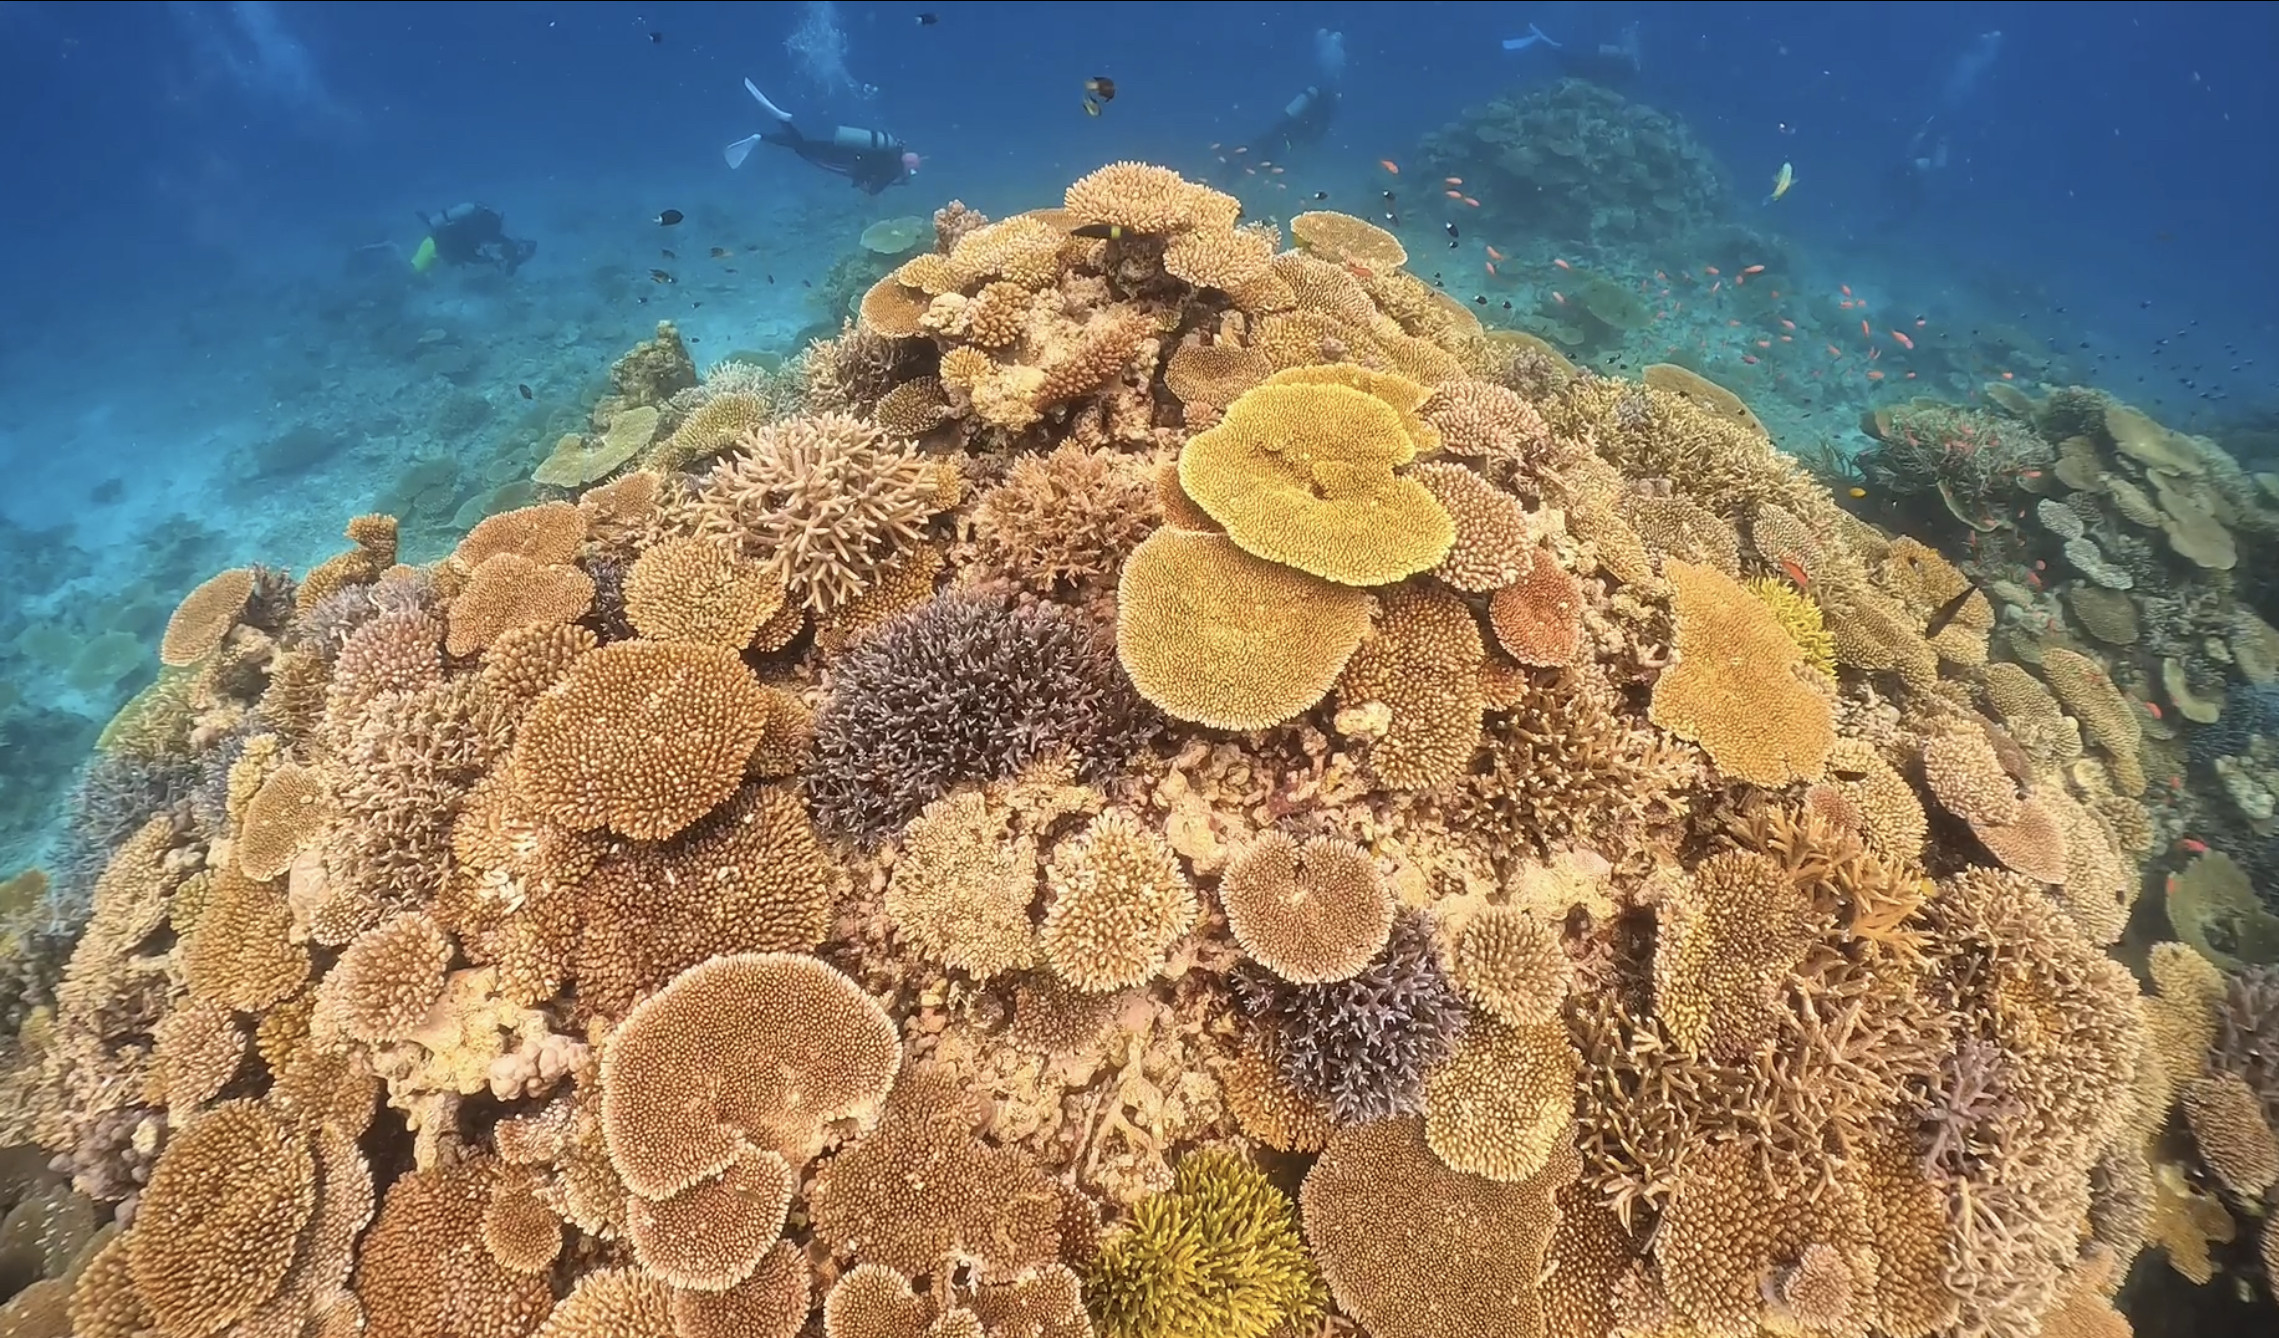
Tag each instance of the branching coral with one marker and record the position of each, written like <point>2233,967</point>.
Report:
<point>823,500</point>
<point>1219,1253</point>
<point>970,688</point>
<point>1363,1044</point>
<point>1118,899</point>
<point>1066,519</point>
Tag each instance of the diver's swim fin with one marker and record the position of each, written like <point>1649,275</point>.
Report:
<point>762,98</point>
<point>1534,35</point>
<point>737,152</point>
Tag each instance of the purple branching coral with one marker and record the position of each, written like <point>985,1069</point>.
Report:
<point>1362,1045</point>
<point>2247,1035</point>
<point>970,687</point>
<point>1971,1097</point>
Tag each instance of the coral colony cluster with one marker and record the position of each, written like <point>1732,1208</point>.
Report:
<point>1172,785</point>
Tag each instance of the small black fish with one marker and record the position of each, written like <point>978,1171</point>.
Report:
<point>1321,194</point>
<point>1948,611</point>
<point>659,276</point>
<point>669,218</point>
<point>1099,231</point>
<point>928,18</point>
<point>1388,197</point>
<point>1451,229</point>
<point>1507,304</point>
<point>807,283</point>
<point>525,390</point>
<point>1481,300</point>
<point>1101,87</point>
<point>656,39</point>
<point>771,278</point>
<point>721,253</point>
<point>668,255</point>
<point>1453,243</point>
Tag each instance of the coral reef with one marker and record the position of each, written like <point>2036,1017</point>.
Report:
<point>1581,162</point>
<point>1167,783</point>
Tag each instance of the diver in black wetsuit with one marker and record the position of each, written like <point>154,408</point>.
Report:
<point>1305,119</point>
<point>1608,64</point>
<point>475,234</point>
<point>871,159</point>
<point>1907,183</point>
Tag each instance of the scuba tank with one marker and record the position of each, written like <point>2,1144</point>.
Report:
<point>1302,103</point>
<point>855,137</point>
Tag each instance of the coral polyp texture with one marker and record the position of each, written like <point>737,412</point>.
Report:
<point>1167,783</point>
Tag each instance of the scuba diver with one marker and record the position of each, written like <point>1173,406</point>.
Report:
<point>871,159</point>
<point>1907,183</point>
<point>471,234</point>
<point>1306,117</point>
<point>1610,64</point>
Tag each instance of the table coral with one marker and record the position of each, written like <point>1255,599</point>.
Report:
<point>1734,689</point>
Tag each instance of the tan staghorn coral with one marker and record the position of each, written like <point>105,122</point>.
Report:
<point>701,591</point>
<point>216,1226</point>
<point>641,737</point>
<point>1118,900</point>
<point>2235,1140</point>
<point>1302,475</point>
<point>205,616</point>
<point>1511,964</point>
<point>1504,1103</point>
<point>713,1235</point>
<point>1422,661</point>
<point>1066,519</point>
<point>385,983</point>
<point>508,591</point>
<point>1537,616</point>
<point>778,1045</point>
<point>824,500</point>
<point>1310,913</point>
<point>1495,542</point>
<point>922,1189</point>
<point>1413,1249</point>
<point>961,890</point>
<point>1214,635</point>
<point>1735,688</point>
<point>286,815</point>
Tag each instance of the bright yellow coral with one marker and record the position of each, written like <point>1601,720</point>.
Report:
<point>1303,475</point>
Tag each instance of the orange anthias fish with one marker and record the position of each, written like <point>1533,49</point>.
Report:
<point>1904,341</point>
<point>1494,254</point>
<point>1389,165</point>
<point>2194,845</point>
<point>1796,572</point>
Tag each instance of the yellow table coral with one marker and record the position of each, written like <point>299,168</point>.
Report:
<point>1303,475</point>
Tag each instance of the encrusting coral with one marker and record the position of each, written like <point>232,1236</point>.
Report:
<point>1141,728</point>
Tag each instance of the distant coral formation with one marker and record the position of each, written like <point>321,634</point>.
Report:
<point>1168,783</point>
